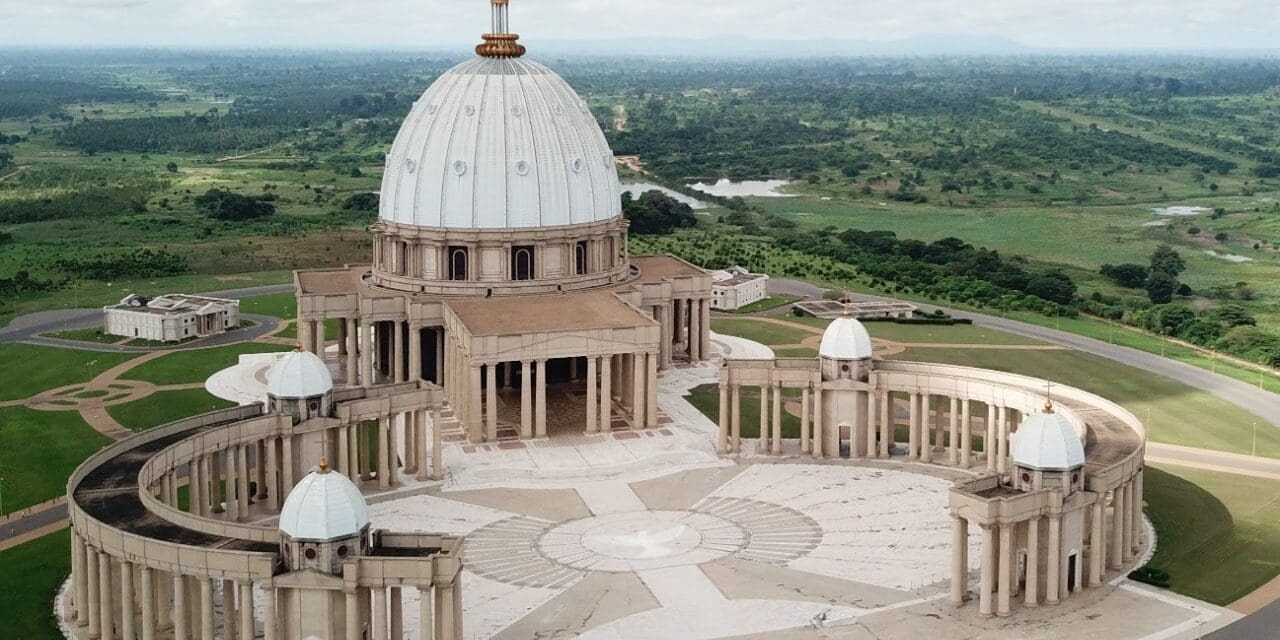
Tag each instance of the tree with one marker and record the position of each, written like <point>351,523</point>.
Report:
<point>657,213</point>
<point>6,159</point>
<point>1130,276</point>
<point>225,205</point>
<point>1161,287</point>
<point>1233,315</point>
<point>1166,260</point>
<point>361,202</point>
<point>172,167</point>
<point>1053,286</point>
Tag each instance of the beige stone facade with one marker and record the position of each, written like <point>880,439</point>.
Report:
<point>147,563</point>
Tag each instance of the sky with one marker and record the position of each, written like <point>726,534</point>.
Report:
<point>448,24</point>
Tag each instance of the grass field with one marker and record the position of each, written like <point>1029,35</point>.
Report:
<point>762,332</point>
<point>197,365</point>
<point>38,452</point>
<point>166,406</point>
<point>87,335</point>
<point>33,369</point>
<point>1178,414</point>
<point>922,333</point>
<point>1218,534</point>
<point>707,400</point>
<point>279,305</point>
<point>30,576</point>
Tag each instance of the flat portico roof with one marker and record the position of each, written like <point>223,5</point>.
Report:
<point>547,314</point>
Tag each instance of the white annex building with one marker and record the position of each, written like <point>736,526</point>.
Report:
<point>170,318</point>
<point>735,287</point>
<point>510,440</point>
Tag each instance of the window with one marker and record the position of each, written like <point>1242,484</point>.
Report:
<point>522,263</point>
<point>580,258</point>
<point>402,258</point>
<point>458,261</point>
<point>310,554</point>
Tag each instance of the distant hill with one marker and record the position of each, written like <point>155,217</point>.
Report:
<point>741,46</point>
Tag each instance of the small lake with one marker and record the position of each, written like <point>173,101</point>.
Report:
<point>1181,210</point>
<point>727,188</point>
<point>637,188</point>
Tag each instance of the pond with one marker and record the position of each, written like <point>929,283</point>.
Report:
<point>727,188</point>
<point>637,188</point>
<point>1228,257</point>
<point>1181,210</point>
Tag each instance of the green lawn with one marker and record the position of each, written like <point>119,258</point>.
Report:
<point>30,576</point>
<point>772,302</point>
<point>197,365</point>
<point>38,452</point>
<point>1179,414</point>
<point>1218,534</point>
<point>165,407</point>
<point>49,367</point>
<point>330,330</point>
<point>87,335</point>
<point>707,400</point>
<point>762,332</point>
<point>795,352</point>
<point>924,333</point>
<point>279,305</point>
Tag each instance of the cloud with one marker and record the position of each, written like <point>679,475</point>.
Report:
<point>438,23</point>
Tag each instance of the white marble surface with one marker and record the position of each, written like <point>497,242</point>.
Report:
<point>239,383</point>
<point>740,348</point>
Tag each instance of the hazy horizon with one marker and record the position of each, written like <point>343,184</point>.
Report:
<point>802,25</point>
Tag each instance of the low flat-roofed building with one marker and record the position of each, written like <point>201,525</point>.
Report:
<point>170,318</point>
<point>831,309</point>
<point>735,287</point>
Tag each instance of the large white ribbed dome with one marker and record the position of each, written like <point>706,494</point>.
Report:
<point>500,143</point>
<point>845,339</point>
<point>299,374</point>
<point>1047,441</point>
<point>324,506</point>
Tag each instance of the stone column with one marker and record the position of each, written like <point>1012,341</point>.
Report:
<point>1117,529</point>
<point>927,424</point>
<point>270,628</point>
<point>722,426</point>
<point>987,581</point>
<point>763,436</point>
<point>871,423</point>
<point>704,330</point>
<point>415,351</point>
<point>638,401</point>
<point>989,446</point>
<point>695,331</point>
<point>651,390</point>
<point>305,339</point>
<point>953,434</point>
<point>491,400</point>
<point>804,420</point>
<point>664,339</point>
<point>776,439</point>
<point>181,623</point>
<point>380,613</point>
<point>148,601</point>
<point>606,394</point>
<point>437,464</point>
<point>321,338</point>
<point>229,610</point>
<point>1137,512</point>
<point>274,494</point>
<point>959,564</point>
<point>817,421</point>
<point>247,630</point>
<point>367,346</point>
<point>127,631</point>
<point>735,418</point>
<point>286,466</point>
<point>397,612</point>
<point>242,482</point>
<point>966,433</point>
<point>94,596</point>
<point>540,415</point>
<point>206,609</point>
<point>886,423</point>
<point>1054,565</point>
<point>1126,517</point>
<point>425,622</point>
<point>1006,569</point>
<point>351,344</point>
<point>1002,440</point>
<point>1097,547</point>
<point>913,428</point>
<point>397,351</point>
<point>593,400</point>
<point>526,401</point>
<point>353,616</point>
<point>1033,562</point>
<point>384,452</point>
<point>475,408</point>
<point>80,578</point>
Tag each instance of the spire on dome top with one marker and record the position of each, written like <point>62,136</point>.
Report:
<point>500,42</point>
<point>1048,397</point>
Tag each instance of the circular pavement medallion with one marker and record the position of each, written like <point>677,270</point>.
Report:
<point>642,540</point>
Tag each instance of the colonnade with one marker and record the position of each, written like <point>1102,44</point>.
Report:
<point>939,428</point>
<point>111,598</point>
<point>373,352</point>
<point>687,331</point>
<point>625,381</point>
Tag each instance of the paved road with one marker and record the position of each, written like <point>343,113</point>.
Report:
<point>1158,453</point>
<point>34,522</point>
<point>1263,624</point>
<point>1264,404</point>
<point>29,327</point>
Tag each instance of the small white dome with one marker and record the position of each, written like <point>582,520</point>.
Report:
<point>1047,441</point>
<point>500,143</point>
<point>325,506</point>
<point>845,339</point>
<point>299,374</point>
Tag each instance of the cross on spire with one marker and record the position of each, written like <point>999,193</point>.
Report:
<point>1048,395</point>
